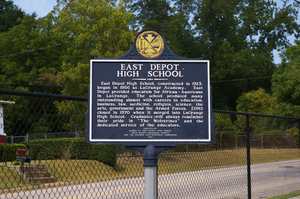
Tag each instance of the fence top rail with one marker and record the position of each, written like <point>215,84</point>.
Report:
<point>42,95</point>
<point>255,114</point>
<point>57,133</point>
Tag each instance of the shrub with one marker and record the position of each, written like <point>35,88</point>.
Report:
<point>295,134</point>
<point>72,148</point>
<point>16,162</point>
<point>10,150</point>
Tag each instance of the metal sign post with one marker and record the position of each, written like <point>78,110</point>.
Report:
<point>150,100</point>
<point>150,164</point>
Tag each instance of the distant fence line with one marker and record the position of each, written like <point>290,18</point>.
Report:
<point>17,139</point>
<point>259,140</point>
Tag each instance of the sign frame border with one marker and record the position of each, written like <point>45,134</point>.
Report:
<point>151,141</point>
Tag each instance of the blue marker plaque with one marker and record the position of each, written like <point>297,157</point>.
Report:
<point>150,101</point>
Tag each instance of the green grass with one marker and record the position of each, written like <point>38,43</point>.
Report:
<point>80,170</point>
<point>168,162</point>
<point>181,161</point>
<point>11,179</point>
<point>287,196</point>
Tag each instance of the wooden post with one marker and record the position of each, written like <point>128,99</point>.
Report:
<point>5,155</point>
<point>40,158</point>
<point>221,141</point>
<point>236,140</point>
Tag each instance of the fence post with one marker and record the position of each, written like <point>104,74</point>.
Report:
<point>26,137</point>
<point>248,156</point>
<point>11,139</point>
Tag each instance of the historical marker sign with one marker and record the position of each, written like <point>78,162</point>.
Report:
<point>149,101</point>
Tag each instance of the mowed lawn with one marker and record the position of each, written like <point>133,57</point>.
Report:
<point>128,166</point>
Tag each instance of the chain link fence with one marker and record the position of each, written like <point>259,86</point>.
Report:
<point>63,165</point>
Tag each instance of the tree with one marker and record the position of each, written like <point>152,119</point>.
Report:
<point>257,102</point>
<point>10,15</point>
<point>286,82</point>
<point>224,130</point>
<point>27,63</point>
<point>89,27</point>
<point>223,122</point>
<point>171,18</point>
<point>238,37</point>
<point>26,60</point>
<point>151,13</point>
<point>178,30</point>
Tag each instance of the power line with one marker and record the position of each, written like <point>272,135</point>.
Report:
<point>42,48</point>
<point>15,84</point>
<point>244,79</point>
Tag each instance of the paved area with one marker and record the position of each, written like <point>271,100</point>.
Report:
<point>297,197</point>
<point>268,179</point>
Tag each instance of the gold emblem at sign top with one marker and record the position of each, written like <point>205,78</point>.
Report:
<point>150,44</point>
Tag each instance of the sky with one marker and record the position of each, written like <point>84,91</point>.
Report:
<point>43,7</point>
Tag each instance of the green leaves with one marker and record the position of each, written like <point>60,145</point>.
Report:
<point>89,27</point>
<point>172,19</point>
<point>238,37</point>
<point>10,15</point>
<point>25,59</point>
<point>224,123</point>
<point>257,102</point>
<point>92,27</point>
<point>286,82</point>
